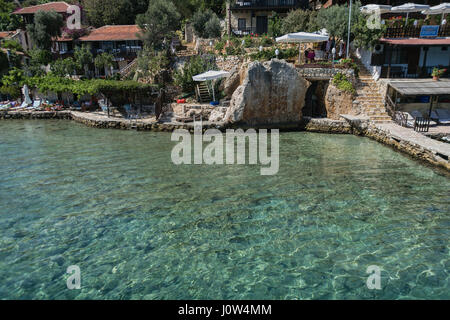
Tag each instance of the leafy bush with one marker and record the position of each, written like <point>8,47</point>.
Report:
<point>341,81</point>
<point>275,25</point>
<point>194,66</point>
<point>151,63</point>
<point>219,45</point>
<point>349,64</point>
<point>12,45</point>
<point>63,67</point>
<point>265,41</point>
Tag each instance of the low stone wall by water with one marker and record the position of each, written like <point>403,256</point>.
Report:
<point>35,115</point>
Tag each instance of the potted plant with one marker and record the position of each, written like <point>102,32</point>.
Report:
<point>437,73</point>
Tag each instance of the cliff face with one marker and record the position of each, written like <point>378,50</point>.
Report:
<point>272,92</point>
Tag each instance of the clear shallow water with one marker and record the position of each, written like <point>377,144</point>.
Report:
<point>140,227</point>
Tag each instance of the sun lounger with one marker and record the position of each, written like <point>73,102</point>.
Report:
<point>411,118</point>
<point>443,116</point>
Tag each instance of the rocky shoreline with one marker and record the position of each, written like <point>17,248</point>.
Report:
<point>350,125</point>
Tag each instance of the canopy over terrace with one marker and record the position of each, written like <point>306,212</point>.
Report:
<point>409,7</point>
<point>442,8</point>
<point>369,8</point>
<point>301,37</point>
<point>211,75</point>
<point>426,87</point>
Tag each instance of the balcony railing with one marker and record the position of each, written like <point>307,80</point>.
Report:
<point>244,31</point>
<point>413,32</point>
<point>402,72</point>
<point>255,4</point>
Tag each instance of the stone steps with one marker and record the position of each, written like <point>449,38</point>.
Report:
<point>368,97</point>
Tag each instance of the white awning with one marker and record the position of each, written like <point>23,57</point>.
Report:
<point>410,7</point>
<point>369,8</point>
<point>210,75</point>
<point>301,37</point>
<point>439,9</point>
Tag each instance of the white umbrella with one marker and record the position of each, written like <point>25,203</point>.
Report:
<point>410,7</point>
<point>301,37</point>
<point>211,75</point>
<point>369,8</point>
<point>442,8</point>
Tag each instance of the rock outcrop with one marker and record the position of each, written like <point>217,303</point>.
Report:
<point>339,102</point>
<point>272,92</point>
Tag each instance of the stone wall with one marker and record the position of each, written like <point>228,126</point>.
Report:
<point>228,63</point>
<point>325,73</point>
<point>272,92</point>
<point>28,115</point>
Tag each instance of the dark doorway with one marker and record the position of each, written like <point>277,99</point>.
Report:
<point>315,100</point>
<point>261,25</point>
<point>413,60</point>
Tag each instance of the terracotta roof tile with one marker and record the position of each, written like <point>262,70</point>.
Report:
<point>113,33</point>
<point>6,34</point>
<point>60,6</point>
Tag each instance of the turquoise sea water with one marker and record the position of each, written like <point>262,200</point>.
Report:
<point>140,227</point>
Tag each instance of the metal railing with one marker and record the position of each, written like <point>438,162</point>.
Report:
<point>250,4</point>
<point>244,31</point>
<point>402,72</point>
<point>412,32</point>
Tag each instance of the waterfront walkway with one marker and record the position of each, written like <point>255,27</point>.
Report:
<point>413,137</point>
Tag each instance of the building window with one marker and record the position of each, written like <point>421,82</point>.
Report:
<point>242,24</point>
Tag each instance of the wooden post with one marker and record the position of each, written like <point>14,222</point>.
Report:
<point>431,106</point>
<point>424,63</point>
<point>390,61</point>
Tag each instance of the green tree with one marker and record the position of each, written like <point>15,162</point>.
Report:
<point>47,24</point>
<point>194,66</point>
<point>9,21</point>
<point>38,59</point>
<point>335,19</point>
<point>159,21</point>
<point>151,63</point>
<point>295,21</point>
<point>201,19</point>
<point>113,12</point>
<point>104,60</point>
<point>83,58</point>
<point>364,37</point>
<point>275,25</point>
<point>63,67</point>
<point>212,27</point>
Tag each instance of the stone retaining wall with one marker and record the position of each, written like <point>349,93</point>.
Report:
<point>325,73</point>
<point>35,115</point>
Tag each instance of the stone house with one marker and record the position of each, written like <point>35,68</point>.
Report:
<point>245,17</point>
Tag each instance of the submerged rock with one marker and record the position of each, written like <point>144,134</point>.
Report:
<point>272,92</point>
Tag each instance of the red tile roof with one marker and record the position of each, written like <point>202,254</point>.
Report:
<point>417,41</point>
<point>60,7</point>
<point>113,33</point>
<point>6,34</point>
